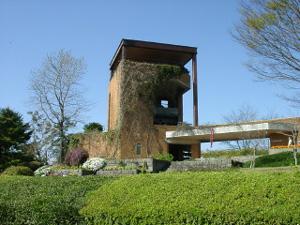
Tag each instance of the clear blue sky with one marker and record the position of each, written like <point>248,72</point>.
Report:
<point>93,29</point>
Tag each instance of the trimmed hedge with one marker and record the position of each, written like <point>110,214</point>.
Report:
<point>276,160</point>
<point>197,198</point>
<point>44,200</point>
<point>18,171</point>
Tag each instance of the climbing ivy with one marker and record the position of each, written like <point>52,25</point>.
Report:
<point>140,84</point>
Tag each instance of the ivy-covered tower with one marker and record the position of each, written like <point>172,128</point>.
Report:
<point>146,88</point>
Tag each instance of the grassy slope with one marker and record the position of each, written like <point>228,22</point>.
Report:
<point>198,198</point>
<point>276,160</point>
<point>44,200</point>
<point>231,153</point>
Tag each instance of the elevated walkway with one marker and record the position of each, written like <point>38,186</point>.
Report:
<point>229,132</point>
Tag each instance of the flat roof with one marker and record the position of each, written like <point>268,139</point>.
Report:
<point>227,132</point>
<point>153,52</point>
<point>286,120</point>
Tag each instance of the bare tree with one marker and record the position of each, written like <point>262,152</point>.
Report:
<point>247,141</point>
<point>58,94</point>
<point>270,31</point>
<point>294,137</point>
<point>293,140</point>
<point>244,114</point>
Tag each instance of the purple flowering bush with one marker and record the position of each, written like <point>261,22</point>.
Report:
<point>76,157</point>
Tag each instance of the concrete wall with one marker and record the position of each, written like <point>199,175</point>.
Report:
<point>196,150</point>
<point>151,141</point>
<point>98,145</point>
<point>114,92</point>
<point>278,140</point>
<point>282,140</point>
<point>136,126</point>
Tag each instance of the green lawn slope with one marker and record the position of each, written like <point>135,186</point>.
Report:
<point>197,198</point>
<point>276,160</point>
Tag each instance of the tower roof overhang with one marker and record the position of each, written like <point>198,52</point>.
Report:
<point>152,52</point>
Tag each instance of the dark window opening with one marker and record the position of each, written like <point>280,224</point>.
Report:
<point>138,149</point>
<point>180,152</point>
<point>166,112</point>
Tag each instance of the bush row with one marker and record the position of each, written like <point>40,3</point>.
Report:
<point>197,198</point>
<point>44,200</point>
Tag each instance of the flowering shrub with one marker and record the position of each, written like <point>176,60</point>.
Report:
<point>76,157</point>
<point>94,164</point>
<point>43,171</point>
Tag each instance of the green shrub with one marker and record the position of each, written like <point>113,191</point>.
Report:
<point>197,198</point>
<point>14,159</point>
<point>34,165</point>
<point>44,200</point>
<point>276,160</point>
<point>18,170</point>
<point>161,156</point>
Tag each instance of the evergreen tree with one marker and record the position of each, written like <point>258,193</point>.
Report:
<point>13,131</point>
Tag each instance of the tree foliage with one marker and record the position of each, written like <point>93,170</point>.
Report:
<point>44,140</point>
<point>270,31</point>
<point>13,131</point>
<point>58,94</point>
<point>93,127</point>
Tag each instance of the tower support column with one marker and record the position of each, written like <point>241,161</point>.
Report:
<point>195,90</point>
<point>196,150</point>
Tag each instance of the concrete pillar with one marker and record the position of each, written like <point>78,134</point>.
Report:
<point>180,109</point>
<point>196,150</point>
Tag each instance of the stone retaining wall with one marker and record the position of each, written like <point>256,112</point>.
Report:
<point>153,165</point>
<point>116,172</point>
<point>201,164</point>
<point>243,158</point>
<point>66,172</point>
